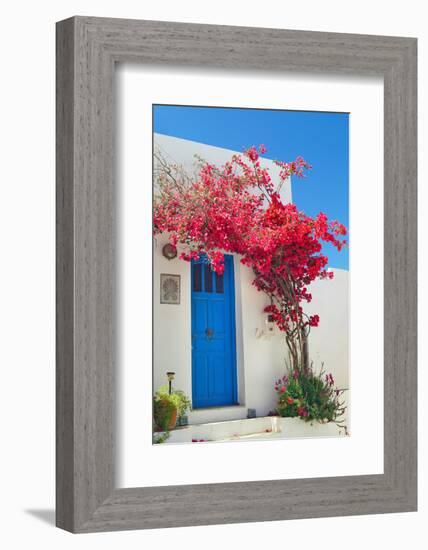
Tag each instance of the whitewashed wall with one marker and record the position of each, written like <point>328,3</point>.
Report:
<point>329,341</point>
<point>182,151</point>
<point>259,360</point>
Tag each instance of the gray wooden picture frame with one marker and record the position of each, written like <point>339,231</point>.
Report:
<point>87,51</point>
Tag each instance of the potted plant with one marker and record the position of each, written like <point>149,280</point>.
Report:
<point>168,406</point>
<point>183,405</point>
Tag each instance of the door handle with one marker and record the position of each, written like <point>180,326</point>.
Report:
<point>209,333</point>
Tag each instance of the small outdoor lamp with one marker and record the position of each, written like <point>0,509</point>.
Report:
<point>169,251</point>
<point>171,376</point>
<point>270,324</point>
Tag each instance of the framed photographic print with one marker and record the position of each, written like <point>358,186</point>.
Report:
<point>236,274</point>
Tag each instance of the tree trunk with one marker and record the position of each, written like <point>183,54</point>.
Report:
<point>305,351</point>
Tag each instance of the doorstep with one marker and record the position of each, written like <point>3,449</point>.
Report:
<point>217,414</point>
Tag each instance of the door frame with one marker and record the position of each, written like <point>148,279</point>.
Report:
<point>230,274</point>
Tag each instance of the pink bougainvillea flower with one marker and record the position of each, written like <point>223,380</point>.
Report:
<point>314,320</point>
<point>252,154</point>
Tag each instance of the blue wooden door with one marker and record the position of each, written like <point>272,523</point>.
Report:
<point>213,335</point>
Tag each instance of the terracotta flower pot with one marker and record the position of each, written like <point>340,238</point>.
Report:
<point>165,414</point>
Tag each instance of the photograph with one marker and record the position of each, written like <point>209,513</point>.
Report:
<point>210,275</point>
<point>251,248</point>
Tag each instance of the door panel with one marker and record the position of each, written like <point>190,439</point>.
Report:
<point>213,336</point>
<point>200,316</point>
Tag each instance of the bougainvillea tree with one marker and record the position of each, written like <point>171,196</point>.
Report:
<point>237,208</point>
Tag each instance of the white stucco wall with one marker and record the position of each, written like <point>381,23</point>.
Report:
<point>259,360</point>
<point>182,151</point>
<point>329,342</point>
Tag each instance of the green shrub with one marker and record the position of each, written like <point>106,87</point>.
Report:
<point>160,438</point>
<point>311,396</point>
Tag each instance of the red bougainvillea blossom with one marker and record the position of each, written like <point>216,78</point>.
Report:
<point>237,208</point>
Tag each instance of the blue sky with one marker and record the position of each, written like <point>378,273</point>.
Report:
<point>321,138</point>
